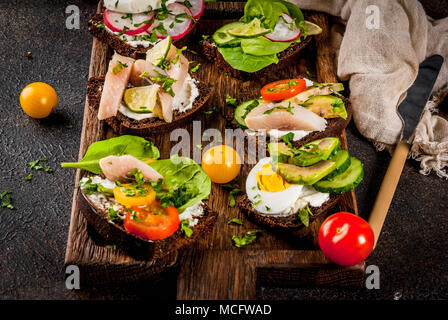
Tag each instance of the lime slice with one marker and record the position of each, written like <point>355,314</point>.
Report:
<point>142,99</point>
<point>249,30</point>
<point>157,54</point>
<point>312,28</point>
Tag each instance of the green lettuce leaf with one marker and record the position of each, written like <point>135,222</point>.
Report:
<point>182,172</point>
<point>261,46</point>
<point>132,145</point>
<point>246,62</point>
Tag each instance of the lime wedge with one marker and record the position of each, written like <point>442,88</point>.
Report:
<point>313,29</point>
<point>249,30</point>
<point>142,99</point>
<point>157,54</point>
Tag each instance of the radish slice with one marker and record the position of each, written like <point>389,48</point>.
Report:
<point>197,7</point>
<point>118,21</point>
<point>282,31</point>
<point>175,27</point>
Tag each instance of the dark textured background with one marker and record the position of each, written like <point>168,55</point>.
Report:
<point>411,254</point>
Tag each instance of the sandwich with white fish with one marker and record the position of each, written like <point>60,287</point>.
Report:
<point>147,96</point>
<point>267,39</point>
<point>293,186</point>
<point>134,199</point>
<point>131,27</point>
<point>294,110</point>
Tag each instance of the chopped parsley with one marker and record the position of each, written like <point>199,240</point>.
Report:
<point>118,67</point>
<point>248,238</point>
<point>232,194</point>
<point>287,109</point>
<point>235,221</point>
<point>89,188</point>
<point>211,110</point>
<point>195,68</point>
<point>185,228</point>
<point>112,215</point>
<point>230,101</point>
<point>304,215</point>
<point>309,74</point>
<point>165,81</point>
<point>28,177</point>
<point>35,165</point>
<point>288,139</point>
<point>101,26</point>
<point>161,29</point>
<point>8,202</point>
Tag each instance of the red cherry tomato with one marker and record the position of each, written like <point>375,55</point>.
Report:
<point>283,89</point>
<point>152,222</point>
<point>345,238</point>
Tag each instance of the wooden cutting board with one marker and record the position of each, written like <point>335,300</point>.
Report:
<point>213,268</point>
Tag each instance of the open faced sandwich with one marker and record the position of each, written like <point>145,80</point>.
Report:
<point>131,27</point>
<point>295,110</point>
<point>132,198</point>
<point>266,39</point>
<point>293,185</point>
<point>148,96</point>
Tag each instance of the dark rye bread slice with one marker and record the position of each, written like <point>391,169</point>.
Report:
<point>117,234</point>
<point>290,223</point>
<point>124,125</point>
<point>286,58</point>
<point>121,46</point>
<point>334,126</point>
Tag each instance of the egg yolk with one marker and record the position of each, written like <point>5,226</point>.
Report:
<point>269,180</point>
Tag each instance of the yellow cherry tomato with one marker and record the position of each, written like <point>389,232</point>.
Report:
<point>130,195</point>
<point>38,100</point>
<point>221,163</point>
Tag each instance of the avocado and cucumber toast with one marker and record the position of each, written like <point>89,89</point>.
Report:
<point>320,163</point>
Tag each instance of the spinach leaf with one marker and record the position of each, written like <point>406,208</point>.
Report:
<point>246,62</point>
<point>261,46</point>
<point>132,145</point>
<point>267,11</point>
<point>183,174</point>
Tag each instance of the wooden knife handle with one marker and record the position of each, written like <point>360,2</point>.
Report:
<point>387,189</point>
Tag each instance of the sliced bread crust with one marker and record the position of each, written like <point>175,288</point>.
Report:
<point>334,126</point>
<point>286,58</point>
<point>290,223</point>
<point>124,125</point>
<point>121,46</point>
<point>117,234</point>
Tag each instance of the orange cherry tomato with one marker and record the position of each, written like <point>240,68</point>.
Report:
<point>152,222</point>
<point>221,163</point>
<point>346,239</point>
<point>283,89</point>
<point>38,100</point>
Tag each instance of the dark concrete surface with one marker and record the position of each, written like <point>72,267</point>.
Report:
<point>411,254</point>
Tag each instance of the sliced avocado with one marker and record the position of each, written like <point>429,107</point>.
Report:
<point>326,106</point>
<point>280,152</point>
<point>318,89</point>
<point>345,181</point>
<point>305,175</point>
<point>342,159</point>
<point>315,151</point>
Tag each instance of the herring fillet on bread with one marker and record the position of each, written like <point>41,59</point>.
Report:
<point>148,96</point>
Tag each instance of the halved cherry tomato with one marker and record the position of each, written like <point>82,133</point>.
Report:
<point>131,195</point>
<point>345,238</point>
<point>283,89</point>
<point>152,222</point>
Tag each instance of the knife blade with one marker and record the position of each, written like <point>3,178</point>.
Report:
<point>410,110</point>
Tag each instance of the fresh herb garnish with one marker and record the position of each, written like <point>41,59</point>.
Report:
<point>101,26</point>
<point>287,109</point>
<point>28,177</point>
<point>89,188</point>
<point>232,194</point>
<point>123,31</point>
<point>112,215</point>
<point>235,221</point>
<point>142,23</point>
<point>309,74</point>
<point>111,246</point>
<point>8,203</point>
<point>230,101</point>
<point>185,228</point>
<point>195,68</point>
<point>335,92</point>
<point>304,215</point>
<point>288,139</point>
<point>118,67</point>
<point>211,110</point>
<point>165,81</point>
<point>35,166</point>
<point>248,238</point>
<point>161,29</point>
<point>256,203</point>
<point>199,146</point>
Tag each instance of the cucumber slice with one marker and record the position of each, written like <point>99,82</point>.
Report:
<point>343,182</point>
<point>342,159</point>
<point>157,54</point>
<point>222,38</point>
<point>249,30</point>
<point>243,110</point>
<point>315,151</point>
<point>141,99</point>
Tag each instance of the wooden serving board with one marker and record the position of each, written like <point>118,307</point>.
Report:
<point>213,268</point>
